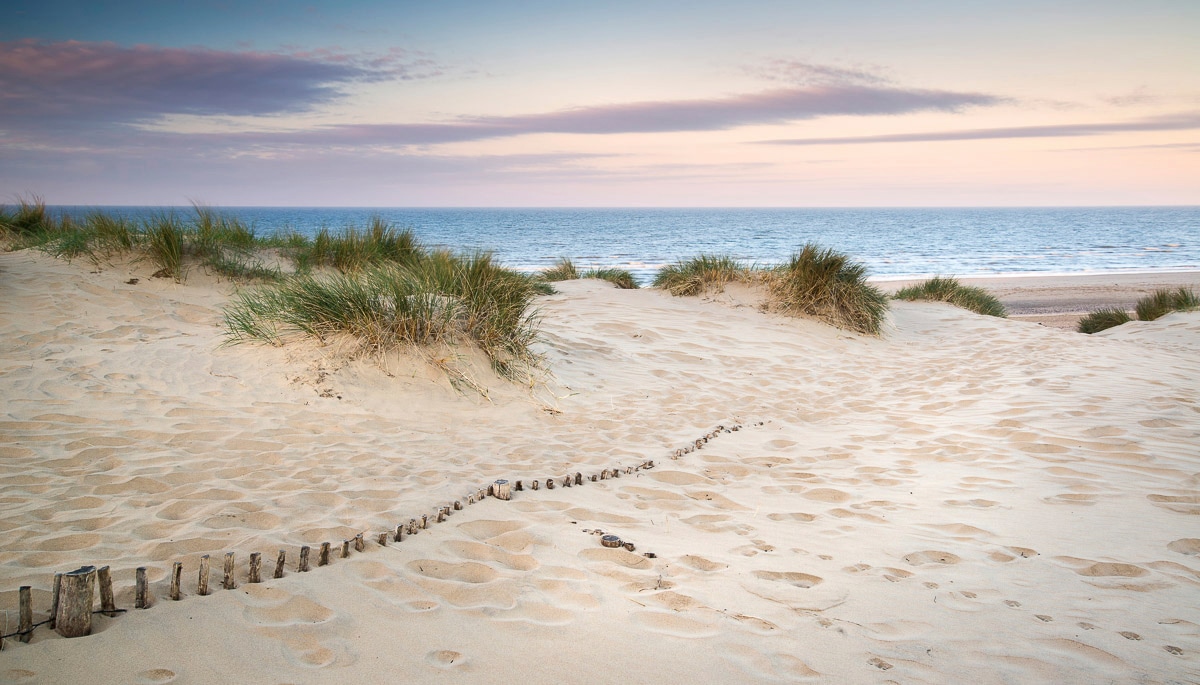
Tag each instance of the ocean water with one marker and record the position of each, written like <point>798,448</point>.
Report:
<point>892,243</point>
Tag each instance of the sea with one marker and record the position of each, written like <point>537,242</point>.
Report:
<point>893,243</point>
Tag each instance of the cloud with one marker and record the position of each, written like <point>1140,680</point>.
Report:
<point>104,82</point>
<point>713,114</point>
<point>1175,122</point>
<point>808,73</point>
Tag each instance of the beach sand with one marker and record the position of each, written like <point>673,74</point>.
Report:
<point>961,499</point>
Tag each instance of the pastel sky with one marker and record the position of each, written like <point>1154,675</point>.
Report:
<point>614,103</point>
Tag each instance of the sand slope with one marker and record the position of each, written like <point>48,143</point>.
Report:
<point>963,499</point>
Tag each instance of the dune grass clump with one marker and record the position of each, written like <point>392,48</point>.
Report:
<point>944,289</point>
<point>1103,319</point>
<point>701,274</point>
<point>565,270</point>
<point>353,250</point>
<point>434,298</point>
<point>1164,301</point>
<point>829,286</point>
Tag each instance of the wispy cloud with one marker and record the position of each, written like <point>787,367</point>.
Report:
<point>104,82</point>
<point>1174,122</point>
<point>809,73</point>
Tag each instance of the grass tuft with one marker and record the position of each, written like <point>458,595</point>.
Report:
<point>164,245</point>
<point>700,274</point>
<point>944,289</point>
<point>563,270</point>
<point>1164,301</point>
<point>618,277</point>
<point>1103,319</point>
<point>825,284</point>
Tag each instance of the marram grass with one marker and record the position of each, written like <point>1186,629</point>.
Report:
<point>565,270</point>
<point>704,273</point>
<point>828,286</point>
<point>1103,319</point>
<point>1164,301</point>
<point>944,289</point>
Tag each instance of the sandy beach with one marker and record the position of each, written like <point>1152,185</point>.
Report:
<point>962,499</point>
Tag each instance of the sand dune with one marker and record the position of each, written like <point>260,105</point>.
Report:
<point>964,498</point>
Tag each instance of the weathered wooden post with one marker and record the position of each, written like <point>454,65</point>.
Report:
<point>107,605</point>
<point>383,539</point>
<point>323,555</point>
<point>502,489</point>
<point>302,567</point>
<point>549,483</point>
<point>610,541</point>
<point>359,543</point>
<point>254,575</point>
<point>578,478</point>
<point>457,505</point>
<point>74,617</point>
<point>54,600</point>
<point>518,486</point>
<point>25,628</point>
<point>202,578</point>
<point>345,549</point>
<point>227,580</point>
<point>399,533</point>
<point>141,594</point>
<point>176,574</point>
<point>279,561</point>
<point>533,485</point>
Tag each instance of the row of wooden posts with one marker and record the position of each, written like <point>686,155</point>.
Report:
<point>73,598</point>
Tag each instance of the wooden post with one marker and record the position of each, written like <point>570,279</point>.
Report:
<point>359,543</point>
<point>502,489</point>
<point>227,581</point>
<point>549,483</point>
<point>279,564</point>
<point>176,574</point>
<point>323,555</point>
<point>255,573</point>
<point>302,567</point>
<point>383,538</point>
<point>345,549</point>
<point>595,478</point>
<point>399,533</point>
<point>412,526</point>
<point>424,521</point>
<point>441,515</point>
<point>533,485</point>
<point>141,595</point>
<point>610,541</point>
<point>518,486</point>
<point>202,579</point>
<point>567,481</point>
<point>26,625</point>
<point>457,505</point>
<point>491,490</point>
<point>578,478</point>
<point>54,600</point>
<point>74,617</point>
<point>107,605</point>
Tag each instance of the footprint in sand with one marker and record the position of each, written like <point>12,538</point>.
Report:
<point>1173,650</point>
<point>931,557</point>
<point>1190,546</point>
<point>1129,635</point>
<point>156,675</point>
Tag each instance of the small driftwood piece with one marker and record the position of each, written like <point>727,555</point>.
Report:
<point>107,604</point>
<point>141,594</point>
<point>74,616</point>
<point>254,575</point>
<point>176,575</point>
<point>279,561</point>
<point>302,566</point>
<point>227,580</point>
<point>202,580</point>
<point>502,489</point>
<point>25,627</point>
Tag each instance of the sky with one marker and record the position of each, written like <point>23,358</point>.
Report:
<point>603,104</point>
